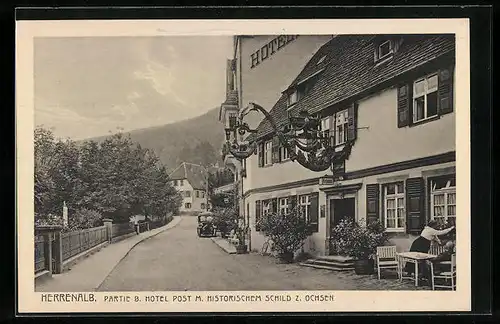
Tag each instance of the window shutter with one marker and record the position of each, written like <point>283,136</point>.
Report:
<point>339,169</point>
<point>352,121</point>
<point>415,193</point>
<point>333,120</point>
<point>274,205</point>
<point>258,211</point>
<point>372,202</point>
<point>292,202</point>
<point>313,212</point>
<point>445,91</point>
<point>276,149</point>
<point>261,154</point>
<point>404,102</point>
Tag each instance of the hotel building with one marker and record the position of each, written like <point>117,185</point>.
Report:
<point>390,96</point>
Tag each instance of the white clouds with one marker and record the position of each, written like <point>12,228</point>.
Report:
<point>161,79</point>
<point>85,87</point>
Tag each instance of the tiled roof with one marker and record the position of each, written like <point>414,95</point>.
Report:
<point>349,69</point>
<point>195,174</point>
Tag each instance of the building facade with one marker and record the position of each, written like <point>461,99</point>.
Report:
<point>190,180</point>
<point>262,67</point>
<point>390,98</point>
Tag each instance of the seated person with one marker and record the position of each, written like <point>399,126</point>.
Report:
<point>423,242</point>
<point>444,256</point>
<point>449,249</point>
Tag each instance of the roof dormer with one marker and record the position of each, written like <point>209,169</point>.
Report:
<point>385,48</point>
<point>301,88</point>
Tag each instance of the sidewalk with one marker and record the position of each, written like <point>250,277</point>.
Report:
<point>88,274</point>
<point>224,244</point>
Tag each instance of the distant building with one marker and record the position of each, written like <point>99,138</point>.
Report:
<point>190,180</point>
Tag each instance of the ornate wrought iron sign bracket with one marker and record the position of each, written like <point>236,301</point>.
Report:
<point>302,137</point>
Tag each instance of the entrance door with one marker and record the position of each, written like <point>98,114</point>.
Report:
<point>340,209</point>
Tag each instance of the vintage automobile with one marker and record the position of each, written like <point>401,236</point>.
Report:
<point>206,225</point>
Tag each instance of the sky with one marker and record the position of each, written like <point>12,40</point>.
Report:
<point>91,86</point>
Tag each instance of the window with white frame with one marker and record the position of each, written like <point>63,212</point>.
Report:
<point>284,154</point>
<point>197,193</point>
<point>394,207</point>
<point>304,203</point>
<point>181,182</point>
<point>284,207</point>
<point>266,207</point>
<point>203,194</point>
<point>187,205</point>
<point>293,98</point>
<point>268,153</point>
<point>325,127</point>
<point>341,126</point>
<point>425,97</point>
<point>384,50</point>
<point>443,199</point>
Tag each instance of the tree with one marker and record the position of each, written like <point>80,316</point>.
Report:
<point>115,178</point>
<point>56,169</point>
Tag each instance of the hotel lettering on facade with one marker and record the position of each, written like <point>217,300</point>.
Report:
<point>390,96</point>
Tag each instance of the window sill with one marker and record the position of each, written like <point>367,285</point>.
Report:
<point>383,60</point>
<point>425,120</point>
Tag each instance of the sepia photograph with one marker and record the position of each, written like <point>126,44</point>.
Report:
<point>243,166</point>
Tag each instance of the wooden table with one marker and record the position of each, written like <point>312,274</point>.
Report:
<point>415,258</point>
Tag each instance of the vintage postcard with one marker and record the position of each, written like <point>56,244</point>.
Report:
<point>243,166</point>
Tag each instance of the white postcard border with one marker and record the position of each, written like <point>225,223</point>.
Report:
<point>345,301</point>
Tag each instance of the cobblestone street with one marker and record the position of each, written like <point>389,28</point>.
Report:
<point>179,260</point>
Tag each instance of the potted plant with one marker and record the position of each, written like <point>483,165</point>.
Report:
<point>359,243</point>
<point>286,232</point>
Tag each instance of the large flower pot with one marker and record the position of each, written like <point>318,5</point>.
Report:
<point>364,267</point>
<point>241,249</point>
<point>286,257</point>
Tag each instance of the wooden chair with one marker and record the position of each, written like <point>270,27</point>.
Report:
<point>387,259</point>
<point>436,249</point>
<point>448,276</point>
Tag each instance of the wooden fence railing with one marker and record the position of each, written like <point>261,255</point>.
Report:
<point>77,242</point>
<point>122,229</point>
<point>39,253</point>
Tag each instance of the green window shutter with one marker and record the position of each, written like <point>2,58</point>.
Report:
<point>415,211</point>
<point>445,91</point>
<point>314,211</point>
<point>404,102</point>
<point>372,202</point>
<point>352,122</point>
<point>258,211</point>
